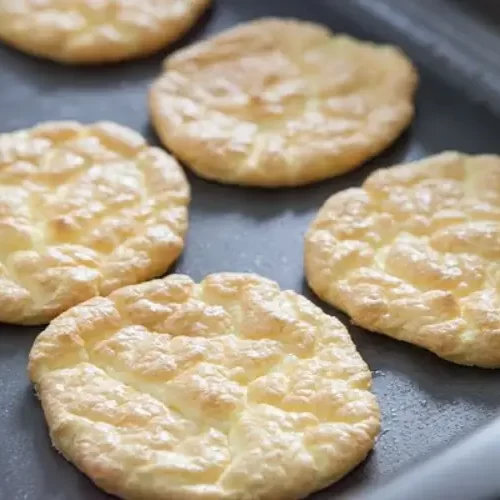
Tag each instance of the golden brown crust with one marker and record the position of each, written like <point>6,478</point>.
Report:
<point>414,254</point>
<point>227,389</point>
<point>83,210</point>
<point>279,102</point>
<point>87,32</point>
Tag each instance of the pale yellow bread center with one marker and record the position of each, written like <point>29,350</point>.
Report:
<point>415,254</point>
<point>228,389</point>
<point>95,31</point>
<point>83,210</point>
<point>281,102</point>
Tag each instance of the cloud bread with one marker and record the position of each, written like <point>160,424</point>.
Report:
<point>278,102</point>
<point>227,389</point>
<point>415,254</point>
<point>95,31</point>
<point>83,210</point>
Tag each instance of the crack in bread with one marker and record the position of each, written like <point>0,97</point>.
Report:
<point>281,102</point>
<point>226,389</point>
<point>83,210</point>
<point>96,31</point>
<point>414,254</point>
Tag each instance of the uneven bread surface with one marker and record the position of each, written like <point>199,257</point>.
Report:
<point>83,210</point>
<point>95,31</point>
<point>227,389</point>
<point>415,254</point>
<point>278,102</point>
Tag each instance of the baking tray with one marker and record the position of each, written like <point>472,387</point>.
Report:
<point>426,403</point>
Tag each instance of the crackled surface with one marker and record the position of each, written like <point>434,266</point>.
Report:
<point>415,254</point>
<point>227,389</point>
<point>95,31</point>
<point>83,210</point>
<point>281,102</point>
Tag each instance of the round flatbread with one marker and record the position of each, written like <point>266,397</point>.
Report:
<point>415,254</point>
<point>222,390</point>
<point>95,31</point>
<point>83,210</point>
<point>281,103</point>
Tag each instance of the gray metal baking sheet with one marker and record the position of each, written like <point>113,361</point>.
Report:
<point>426,402</point>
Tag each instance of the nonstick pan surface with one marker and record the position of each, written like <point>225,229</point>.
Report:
<point>426,402</point>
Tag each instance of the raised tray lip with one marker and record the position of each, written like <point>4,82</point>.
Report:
<point>459,47</point>
<point>467,46</point>
<point>467,470</point>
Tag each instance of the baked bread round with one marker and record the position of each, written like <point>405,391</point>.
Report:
<point>95,31</point>
<point>415,254</point>
<point>83,210</point>
<point>222,390</point>
<point>278,102</point>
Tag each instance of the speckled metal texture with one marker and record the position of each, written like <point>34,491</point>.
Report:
<point>426,403</point>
